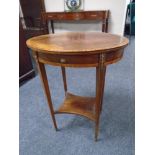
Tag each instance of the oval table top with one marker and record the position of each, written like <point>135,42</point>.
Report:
<point>77,42</point>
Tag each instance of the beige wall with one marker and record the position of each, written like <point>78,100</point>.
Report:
<point>116,22</point>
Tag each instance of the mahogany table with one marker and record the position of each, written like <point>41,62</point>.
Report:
<point>77,49</point>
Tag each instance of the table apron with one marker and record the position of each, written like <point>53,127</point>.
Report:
<point>91,60</point>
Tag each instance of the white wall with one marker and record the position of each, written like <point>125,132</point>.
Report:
<point>117,15</point>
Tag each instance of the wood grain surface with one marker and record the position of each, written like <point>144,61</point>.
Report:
<point>77,42</point>
<point>79,105</point>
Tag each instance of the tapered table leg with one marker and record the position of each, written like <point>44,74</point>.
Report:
<point>64,78</point>
<point>52,26</point>
<point>102,85</point>
<point>43,76</point>
<point>100,78</point>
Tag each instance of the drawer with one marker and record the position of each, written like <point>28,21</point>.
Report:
<point>69,60</point>
<point>74,16</point>
<point>52,16</point>
<point>60,16</point>
<point>94,15</point>
<point>91,60</point>
<point>97,15</point>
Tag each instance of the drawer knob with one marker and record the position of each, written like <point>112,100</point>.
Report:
<point>62,60</point>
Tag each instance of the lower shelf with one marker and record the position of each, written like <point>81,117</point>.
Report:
<point>74,104</point>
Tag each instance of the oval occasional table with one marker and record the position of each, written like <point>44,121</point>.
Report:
<point>77,49</point>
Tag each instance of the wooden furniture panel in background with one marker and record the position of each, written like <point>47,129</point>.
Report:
<point>75,16</point>
<point>31,11</point>
<point>26,70</point>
